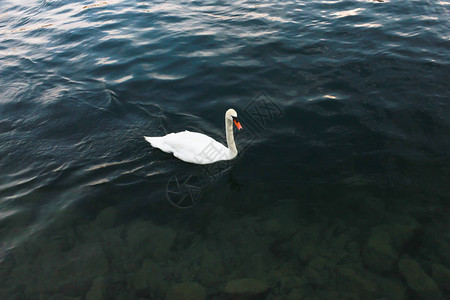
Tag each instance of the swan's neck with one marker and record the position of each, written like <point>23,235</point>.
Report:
<point>230,137</point>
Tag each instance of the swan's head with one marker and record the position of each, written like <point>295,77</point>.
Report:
<point>231,114</point>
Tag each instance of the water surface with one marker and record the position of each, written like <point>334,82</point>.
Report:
<point>340,190</point>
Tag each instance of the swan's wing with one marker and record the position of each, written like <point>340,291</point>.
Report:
<point>159,142</point>
<point>191,147</point>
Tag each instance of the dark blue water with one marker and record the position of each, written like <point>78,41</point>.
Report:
<point>340,189</point>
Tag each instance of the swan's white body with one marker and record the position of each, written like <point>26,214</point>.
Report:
<point>198,148</point>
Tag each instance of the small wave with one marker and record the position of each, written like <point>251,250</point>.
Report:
<point>348,13</point>
<point>368,25</point>
<point>98,4</point>
<point>160,76</point>
<point>30,28</point>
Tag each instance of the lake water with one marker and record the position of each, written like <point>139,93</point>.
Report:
<point>341,187</point>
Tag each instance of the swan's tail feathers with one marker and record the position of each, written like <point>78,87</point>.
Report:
<point>150,139</point>
<point>158,142</point>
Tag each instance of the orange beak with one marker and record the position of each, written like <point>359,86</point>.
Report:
<point>238,125</point>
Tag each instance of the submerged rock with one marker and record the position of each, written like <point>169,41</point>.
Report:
<point>289,283</point>
<point>378,254</point>
<point>273,226</point>
<point>107,217</point>
<point>148,279</point>
<point>318,262</point>
<point>316,277</point>
<point>146,240</point>
<point>212,269</point>
<point>280,228</point>
<point>418,280</point>
<point>400,234</point>
<point>296,294</point>
<point>443,249</point>
<point>392,288</point>
<point>246,288</point>
<point>441,275</point>
<point>96,291</point>
<point>318,272</point>
<point>69,273</point>
<point>350,278</point>
<point>385,242</point>
<point>57,297</point>
<point>115,250</point>
<point>186,291</point>
<point>354,250</point>
<point>307,242</point>
<point>304,247</point>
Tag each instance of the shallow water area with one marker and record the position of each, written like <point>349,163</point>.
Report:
<point>340,189</point>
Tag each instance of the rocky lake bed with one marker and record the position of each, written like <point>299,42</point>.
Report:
<point>233,256</point>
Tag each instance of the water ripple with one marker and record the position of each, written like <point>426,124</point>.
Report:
<point>82,82</point>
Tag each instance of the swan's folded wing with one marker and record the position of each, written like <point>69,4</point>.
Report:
<point>159,142</point>
<point>191,147</point>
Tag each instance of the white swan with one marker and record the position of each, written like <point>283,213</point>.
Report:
<point>198,148</point>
